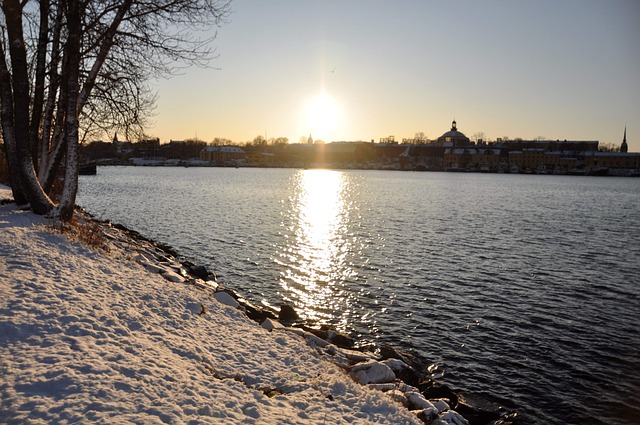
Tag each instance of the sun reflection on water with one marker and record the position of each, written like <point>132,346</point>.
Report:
<point>315,268</point>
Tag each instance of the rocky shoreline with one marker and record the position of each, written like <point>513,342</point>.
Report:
<point>403,375</point>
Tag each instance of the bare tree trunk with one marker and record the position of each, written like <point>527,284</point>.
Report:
<point>58,139</point>
<point>38,90</point>
<point>45,170</point>
<point>71,73</point>
<point>6,116</point>
<point>39,201</point>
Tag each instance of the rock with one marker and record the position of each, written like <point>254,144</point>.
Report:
<point>431,389</point>
<point>254,313</point>
<point>288,313</point>
<point>297,331</point>
<point>348,357</point>
<point>153,268</point>
<point>372,372</point>
<point>403,371</point>
<point>225,298</point>
<point>398,396</point>
<point>477,409</point>
<point>390,386</point>
<point>425,415</point>
<point>172,276</point>
<point>173,266</point>
<point>339,339</point>
<point>199,272</point>
<point>270,324</point>
<point>396,365</point>
<point>441,404</point>
<point>201,284</point>
<point>141,258</point>
<point>315,341</point>
<point>167,249</point>
<point>414,373</point>
<point>418,402</point>
<point>450,417</point>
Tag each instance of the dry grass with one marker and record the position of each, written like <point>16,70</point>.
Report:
<point>86,231</point>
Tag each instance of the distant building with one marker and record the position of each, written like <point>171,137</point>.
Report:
<point>224,155</point>
<point>458,139</point>
<point>472,159</point>
<point>612,163</point>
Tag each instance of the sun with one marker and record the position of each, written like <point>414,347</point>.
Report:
<point>322,116</point>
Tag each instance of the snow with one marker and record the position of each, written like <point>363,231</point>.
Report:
<point>93,336</point>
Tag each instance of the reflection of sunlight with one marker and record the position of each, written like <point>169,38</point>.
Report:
<point>321,205</point>
<point>315,267</point>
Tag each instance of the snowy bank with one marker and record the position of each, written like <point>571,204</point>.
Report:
<point>90,337</point>
<point>93,335</point>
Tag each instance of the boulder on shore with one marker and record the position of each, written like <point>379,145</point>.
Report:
<point>372,372</point>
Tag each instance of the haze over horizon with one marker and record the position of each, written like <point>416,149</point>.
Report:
<point>351,70</point>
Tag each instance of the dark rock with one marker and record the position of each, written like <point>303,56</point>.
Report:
<point>477,409</point>
<point>418,367</point>
<point>329,334</point>
<point>431,389</point>
<point>340,339</point>
<point>199,272</point>
<point>254,313</point>
<point>288,313</point>
<point>389,352</point>
<point>167,249</point>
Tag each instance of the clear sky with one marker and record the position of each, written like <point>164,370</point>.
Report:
<point>366,69</point>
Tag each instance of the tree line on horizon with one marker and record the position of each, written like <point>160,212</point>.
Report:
<point>260,141</point>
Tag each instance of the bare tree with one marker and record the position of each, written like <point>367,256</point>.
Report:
<point>71,69</point>
<point>479,136</point>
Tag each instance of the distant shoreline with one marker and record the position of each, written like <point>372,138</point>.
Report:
<point>156,164</point>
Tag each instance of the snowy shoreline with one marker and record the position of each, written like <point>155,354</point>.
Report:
<point>131,334</point>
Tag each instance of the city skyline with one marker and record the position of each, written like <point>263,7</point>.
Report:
<point>340,71</point>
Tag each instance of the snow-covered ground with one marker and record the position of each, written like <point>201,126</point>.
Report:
<point>91,336</point>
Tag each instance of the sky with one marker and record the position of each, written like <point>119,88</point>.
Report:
<point>367,69</point>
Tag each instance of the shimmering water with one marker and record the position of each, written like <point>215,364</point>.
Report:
<point>523,287</point>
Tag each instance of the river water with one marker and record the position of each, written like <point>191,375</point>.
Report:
<point>523,287</point>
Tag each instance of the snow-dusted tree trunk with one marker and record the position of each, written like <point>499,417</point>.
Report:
<point>71,75</point>
<point>19,128</point>
<point>46,170</point>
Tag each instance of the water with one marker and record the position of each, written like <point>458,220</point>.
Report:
<point>522,287</point>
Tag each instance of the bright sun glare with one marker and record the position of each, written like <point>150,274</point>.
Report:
<point>323,116</point>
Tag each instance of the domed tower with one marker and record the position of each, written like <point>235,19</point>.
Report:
<point>454,136</point>
<point>624,147</point>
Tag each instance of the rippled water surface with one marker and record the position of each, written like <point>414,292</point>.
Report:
<point>523,287</point>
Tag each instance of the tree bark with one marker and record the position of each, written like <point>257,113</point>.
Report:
<point>38,90</point>
<point>6,116</point>
<point>45,170</point>
<point>39,201</point>
<point>71,73</point>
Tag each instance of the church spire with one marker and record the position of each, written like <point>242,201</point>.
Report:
<point>624,147</point>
